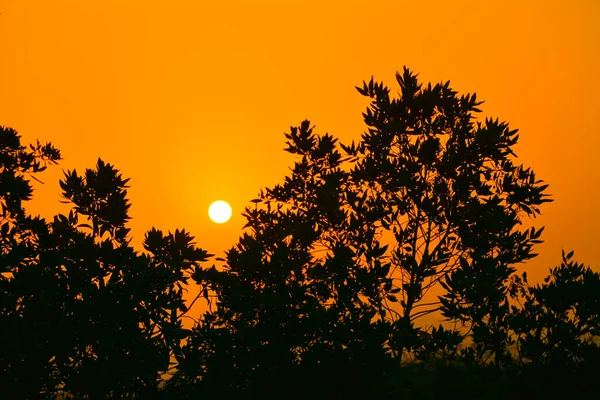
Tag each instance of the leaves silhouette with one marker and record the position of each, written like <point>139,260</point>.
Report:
<point>324,292</point>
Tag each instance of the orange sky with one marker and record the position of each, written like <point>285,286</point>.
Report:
<point>191,98</point>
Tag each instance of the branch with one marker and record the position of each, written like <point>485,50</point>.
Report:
<point>422,313</point>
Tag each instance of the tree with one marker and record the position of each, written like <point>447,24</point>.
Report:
<point>452,195</point>
<point>283,311</point>
<point>321,294</point>
<point>558,322</point>
<point>338,258</point>
<point>82,312</point>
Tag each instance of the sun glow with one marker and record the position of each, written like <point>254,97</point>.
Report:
<point>219,211</point>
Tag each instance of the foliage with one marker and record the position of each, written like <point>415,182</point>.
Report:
<point>451,194</point>
<point>81,311</point>
<point>558,322</point>
<point>314,273</point>
<point>322,293</point>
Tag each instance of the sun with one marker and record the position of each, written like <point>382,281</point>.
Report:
<point>219,211</point>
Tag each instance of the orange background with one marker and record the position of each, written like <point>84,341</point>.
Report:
<point>191,98</point>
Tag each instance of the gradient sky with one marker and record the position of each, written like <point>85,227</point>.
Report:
<point>191,98</point>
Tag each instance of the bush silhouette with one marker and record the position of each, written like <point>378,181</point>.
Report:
<point>324,290</point>
<point>82,312</point>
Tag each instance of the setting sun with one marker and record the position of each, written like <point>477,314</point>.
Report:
<point>219,211</point>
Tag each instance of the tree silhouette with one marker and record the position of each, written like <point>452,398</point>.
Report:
<point>322,293</point>
<point>339,257</point>
<point>282,310</point>
<point>81,311</point>
<point>451,194</point>
<point>558,322</point>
